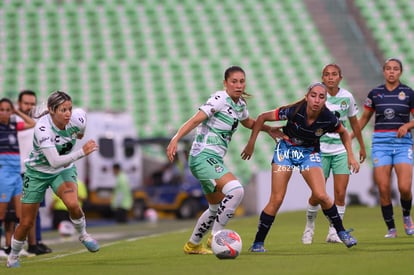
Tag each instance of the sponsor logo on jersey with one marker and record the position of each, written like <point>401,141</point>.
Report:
<point>389,113</point>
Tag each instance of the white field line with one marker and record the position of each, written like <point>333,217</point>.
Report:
<point>105,245</point>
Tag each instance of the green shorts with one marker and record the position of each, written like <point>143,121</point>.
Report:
<point>36,183</point>
<point>338,164</point>
<point>206,168</point>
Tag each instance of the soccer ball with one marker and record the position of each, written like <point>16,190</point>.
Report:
<point>151,215</point>
<point>226,244</point>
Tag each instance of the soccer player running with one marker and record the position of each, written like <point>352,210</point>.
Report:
<point>307,120</point>
<point>51,165</point>
<point>392,142</point>
<point>334,155</point>
<point>216,122</point>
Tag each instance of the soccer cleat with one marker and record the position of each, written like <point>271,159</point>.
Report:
<point>44,248</point>
<point>307,237</point>
<point>408,225</point>
<point>3,254</point>
<point>190,248</point>
<point>210,238</point>
<point>346,238</point>
<point>257,247</point>
<point>391,234</point>
<point>332,236</point>
<point>24,253</point>
<point>13,261</point>
<point>39,249</point>
<point>90,243</point>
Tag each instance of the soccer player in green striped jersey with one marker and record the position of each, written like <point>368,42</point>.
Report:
<point>50,164</point>
<point>216,121</point>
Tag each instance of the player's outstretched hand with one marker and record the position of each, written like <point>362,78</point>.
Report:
<point>89,147</point>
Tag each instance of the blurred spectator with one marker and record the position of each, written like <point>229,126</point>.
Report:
<point>11,183</point>
<point>122,200</point>
<point>26,103</point>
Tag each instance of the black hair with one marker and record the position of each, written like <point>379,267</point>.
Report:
<point>233,69</point>
<point>332,65</point>
<point>298,104</point>
<point>25,92</point>
<point>393,59</point>
<point>5,99</point>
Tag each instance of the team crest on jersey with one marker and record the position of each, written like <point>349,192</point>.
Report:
<point>319,132</point>
<point>401,96</point>
<point>219,168</point>
<point>344,106</point>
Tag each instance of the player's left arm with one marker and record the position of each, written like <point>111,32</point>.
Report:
<point>27,122</point>
<point>346,140</point>
<point>356,129</point>
<point>403,130</point>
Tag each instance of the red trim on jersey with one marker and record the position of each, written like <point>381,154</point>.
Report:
<point>20,126</point>
<point>369,108</point>
<point>340,126</point>
<point>277,113</point>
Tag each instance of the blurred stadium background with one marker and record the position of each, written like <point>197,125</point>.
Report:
<point>159,60</point>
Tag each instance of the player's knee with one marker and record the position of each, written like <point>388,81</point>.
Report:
<point>213,208</point>
<point>233,187</point>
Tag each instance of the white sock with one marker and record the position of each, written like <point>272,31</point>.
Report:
<point>16,246</point>
<point>204,223</point>
<point>234,193</point>
<point>341,211</point>
<point>80,225</point>
<point>311,213</point>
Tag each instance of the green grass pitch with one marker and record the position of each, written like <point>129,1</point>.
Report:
<point>144,248</point>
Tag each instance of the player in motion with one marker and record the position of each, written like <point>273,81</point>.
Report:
<point>334,155</point>
<point>307,120</point>
<point>217,120</point>
<point>50,164</point>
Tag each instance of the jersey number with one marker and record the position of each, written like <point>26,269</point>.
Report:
<point>66,148</point>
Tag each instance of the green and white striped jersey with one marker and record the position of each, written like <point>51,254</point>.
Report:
<point>344,103</point>
<point>214,134</point>
<point>47,135</point>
